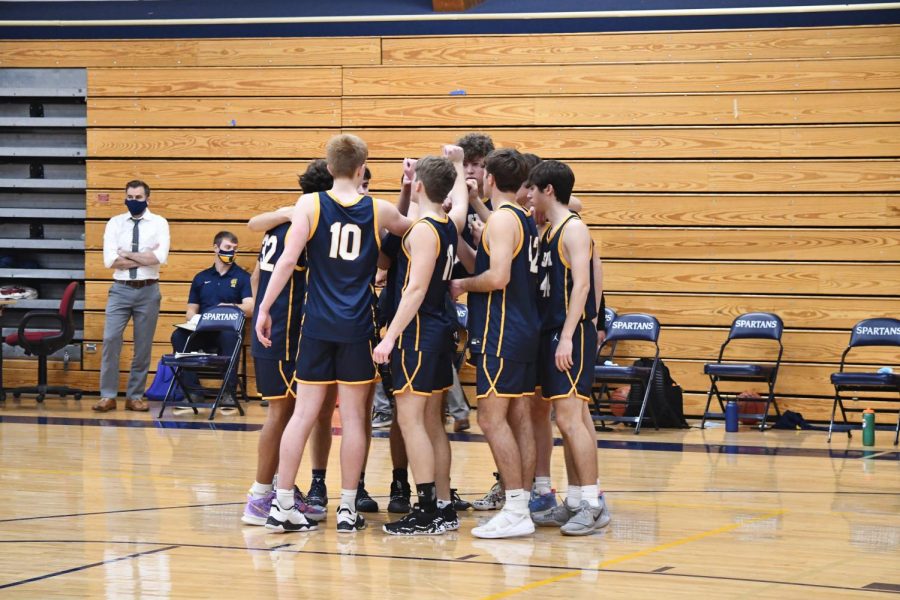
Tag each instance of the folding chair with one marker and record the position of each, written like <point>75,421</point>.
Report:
<point>208,366</point>
<point>598,392</point>
<point>636,327</point>
<point>870,332</point>
<point>749,326</point>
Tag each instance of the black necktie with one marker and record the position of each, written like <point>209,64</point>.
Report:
<point>132,272</point>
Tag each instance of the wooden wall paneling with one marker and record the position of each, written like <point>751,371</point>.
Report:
<point>213,112</point>
<point>792,244</point>
<point>838,312</point>
<point>544,109</point>
<point>863,279</point>
<point>93,327</point>
<point>733,210</point>
<point>208,81</point>
<point>270,52</point>
<point>671,46</point>
<point>606,143</point>
<point>208,143</point>
<point>182,265</point>
<point>194,205</point>
<point>719,77</point>
<point>794,176</point>
<point>186,236</point>
<point>644,276</point>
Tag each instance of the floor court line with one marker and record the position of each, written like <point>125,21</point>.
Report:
<point>87,566</point>
<point>112,512</point>
<point>640,553</point>
<point>598,569</point>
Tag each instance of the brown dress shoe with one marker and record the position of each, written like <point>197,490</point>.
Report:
<point>105,405</point>
<point>136,404</point>
<point>461,425</point>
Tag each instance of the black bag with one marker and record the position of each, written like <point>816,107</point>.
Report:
<point>666,399</point>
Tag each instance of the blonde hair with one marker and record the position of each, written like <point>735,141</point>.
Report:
<point>345,154</point>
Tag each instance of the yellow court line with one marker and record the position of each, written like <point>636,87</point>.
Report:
<point>638,554</point>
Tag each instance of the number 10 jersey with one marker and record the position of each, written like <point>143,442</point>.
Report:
<point>342,257</point>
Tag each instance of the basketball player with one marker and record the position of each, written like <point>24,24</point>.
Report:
<point>339,229</point>
<point>504,331</point>
<point>568,344</point>
<point>418,340</point>
<point>275,365</point>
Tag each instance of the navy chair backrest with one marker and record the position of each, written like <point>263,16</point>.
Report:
<point>634,326</point>
<point>609,315</point>
<point>222,318</point>
<point>462,315</point>
<point>882,331</point>
<point>756,325</point>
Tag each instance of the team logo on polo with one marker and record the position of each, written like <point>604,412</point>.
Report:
<point>234,283</point>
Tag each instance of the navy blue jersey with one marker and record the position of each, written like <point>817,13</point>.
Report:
<point>388,300</point>
<point>287,309</point>
<point>431,328</point>
<point>471,217</point>
<point>556,281</point>
<point>342,257</point>
<point>505,322</point>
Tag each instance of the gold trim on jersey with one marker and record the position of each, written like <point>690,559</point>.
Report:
<point>349,204</point>
<point>375,222</point>
<point>502,322</point>
<point>519,223</point>
<point>315,223</point>
<point>287,341</point>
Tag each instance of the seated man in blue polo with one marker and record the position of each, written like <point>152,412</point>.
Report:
<point>223,284</point>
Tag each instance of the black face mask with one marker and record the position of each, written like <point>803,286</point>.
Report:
<point>227,257</point>
<point>136,207</point>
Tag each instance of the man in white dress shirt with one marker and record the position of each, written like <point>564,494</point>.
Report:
<point>135,244</point>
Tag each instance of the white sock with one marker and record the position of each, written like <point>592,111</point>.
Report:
<point>542,486</point>
<point>443,504</point>
<point>573,496</point>
<point>285,499</point>
<point>589,494</point>
<point>517,501</point>
<point>348,497</point>
<point>258,490</point>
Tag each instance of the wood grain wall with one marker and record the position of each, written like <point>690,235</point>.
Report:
<point>721,171</point>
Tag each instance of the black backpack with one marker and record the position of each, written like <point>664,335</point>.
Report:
<point>666,398</point>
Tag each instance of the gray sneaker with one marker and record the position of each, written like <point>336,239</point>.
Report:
<point>557,516</point>
<point>587,520</point>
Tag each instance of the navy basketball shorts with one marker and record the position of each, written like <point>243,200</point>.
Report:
<point>322,362</point>
<point>274,378</point>
<point>421,373</point>
<point>503,377</point>
<point>578,381</point>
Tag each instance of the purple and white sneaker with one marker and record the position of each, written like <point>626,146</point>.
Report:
<point>313,513</point>
<point>257,509</point>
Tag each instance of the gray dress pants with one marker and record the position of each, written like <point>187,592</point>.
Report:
<point>142,306</point>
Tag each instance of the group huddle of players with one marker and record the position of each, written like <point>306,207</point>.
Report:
<point>467,223</point>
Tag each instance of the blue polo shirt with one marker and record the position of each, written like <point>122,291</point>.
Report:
<point>209,289</point>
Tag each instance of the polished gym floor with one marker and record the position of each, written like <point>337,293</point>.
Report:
<point>123,505</point>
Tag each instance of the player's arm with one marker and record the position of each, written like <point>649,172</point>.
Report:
<point>477,203</point>
<point>423,254</point>
<point>576,248</point>
<point>600,319</point>
<point>575,205</point>
<point>268,220</point>
<point>294,243</point>
<point>254,279</point>
<point>409,171</point>
<point>503,233</point>
<point>466,255</point>
<point>459,195</point>
<point>390,218</point>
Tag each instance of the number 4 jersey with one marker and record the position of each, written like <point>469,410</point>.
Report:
<point>287,310</point>
<point>505,323</point>
<point>342,257</point>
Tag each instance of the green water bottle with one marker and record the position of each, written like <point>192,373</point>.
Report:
<point>868,427</point>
